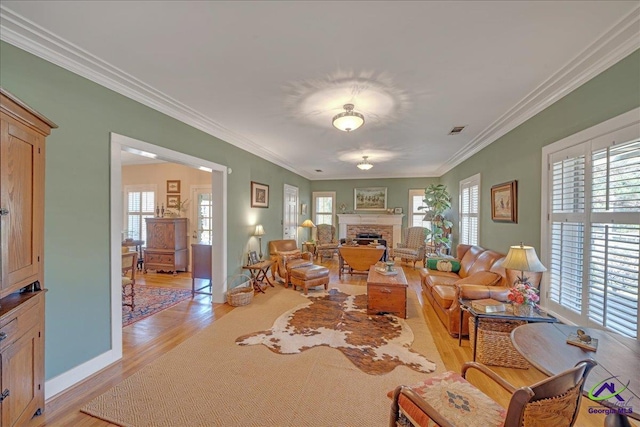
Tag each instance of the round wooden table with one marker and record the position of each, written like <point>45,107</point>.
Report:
<point>544,345</point>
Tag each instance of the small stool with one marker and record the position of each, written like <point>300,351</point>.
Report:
<point>308,277</point>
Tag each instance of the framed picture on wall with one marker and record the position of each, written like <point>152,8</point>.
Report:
<point>173,200</point>
<point>504,202</point>
<point>370,199</point>
<point>173,186</point>
<point>259,195</point>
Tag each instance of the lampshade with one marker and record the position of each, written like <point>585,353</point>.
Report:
<point>523,258</point>
<point>259,230</point>
<point>349,120</point>
<point>307,223</point>
<point>364,164</point>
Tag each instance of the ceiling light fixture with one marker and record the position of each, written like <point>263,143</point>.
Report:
<point>349,120</point>
<point>364,164</point>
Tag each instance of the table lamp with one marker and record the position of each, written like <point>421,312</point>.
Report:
<point>523,258</point>
<point>308,224</point>
<point>259,232</point>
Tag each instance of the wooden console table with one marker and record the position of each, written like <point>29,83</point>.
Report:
<point>387,294</point>
<point>358,258</point>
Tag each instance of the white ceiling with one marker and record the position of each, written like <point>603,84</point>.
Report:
<point>268,76</point>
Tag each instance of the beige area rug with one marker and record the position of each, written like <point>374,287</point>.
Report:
<point>209,380</point>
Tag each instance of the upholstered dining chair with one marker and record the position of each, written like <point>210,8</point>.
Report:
<point>129,266</point>
<point>327,244</point>
<point>412,247</point>
<point>449,400</point>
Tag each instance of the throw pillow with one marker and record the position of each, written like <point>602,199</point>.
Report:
<point>451,265</point>
<point>290,254</point>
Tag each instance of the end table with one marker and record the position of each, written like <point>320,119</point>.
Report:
<point>259,273</point>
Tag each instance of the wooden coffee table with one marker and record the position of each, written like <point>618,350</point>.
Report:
<point>387,294</point>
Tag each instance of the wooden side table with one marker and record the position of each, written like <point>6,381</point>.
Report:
<point>259,273</point>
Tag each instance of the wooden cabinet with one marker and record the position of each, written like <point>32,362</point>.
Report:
<point>22,357</point>
<point>22,151</point>
<point>166,245</point>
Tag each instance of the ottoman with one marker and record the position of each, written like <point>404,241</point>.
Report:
<point>308,277</point>
<point>294,264</point>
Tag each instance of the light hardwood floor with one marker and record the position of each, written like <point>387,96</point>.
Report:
<point>148,339</point>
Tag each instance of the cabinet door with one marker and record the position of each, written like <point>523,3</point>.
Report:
<point>20,364</point>
<point>21,196</point>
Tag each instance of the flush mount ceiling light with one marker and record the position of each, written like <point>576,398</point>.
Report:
<point>349,120</point>
<point>364,164</point>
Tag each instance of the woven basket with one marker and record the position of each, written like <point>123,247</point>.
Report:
<point>494,343</point>
<point>241,294</point>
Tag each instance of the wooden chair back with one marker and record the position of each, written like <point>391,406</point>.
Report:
<point>129,264</point>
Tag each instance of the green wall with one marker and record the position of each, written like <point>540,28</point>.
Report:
<point>77,222</point>
<point>518,154</point>
<point>77,180</point>
<point>397,191</point>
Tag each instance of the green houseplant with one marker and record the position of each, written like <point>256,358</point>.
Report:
<point>437,201</point>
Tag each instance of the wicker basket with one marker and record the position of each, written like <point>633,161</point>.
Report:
<point>494,343</point>
<point>241,294</point>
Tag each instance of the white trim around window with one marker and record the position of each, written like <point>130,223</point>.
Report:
<point>469,210</point>
<point>590,226</point>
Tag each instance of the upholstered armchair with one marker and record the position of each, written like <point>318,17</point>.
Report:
<point>327,243</point>
<point>553,401</point>
<point>286,255</point>
<point>412,247</point>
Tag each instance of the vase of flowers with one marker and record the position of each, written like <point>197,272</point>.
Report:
<point>524,298</point>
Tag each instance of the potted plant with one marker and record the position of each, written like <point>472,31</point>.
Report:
<point>437,201</point>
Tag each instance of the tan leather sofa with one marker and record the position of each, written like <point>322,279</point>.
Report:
<point>480,276</point>
<point>286,255</point>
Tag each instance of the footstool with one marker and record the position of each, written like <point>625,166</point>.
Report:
<point>294,264</point>
<point>308,277</point>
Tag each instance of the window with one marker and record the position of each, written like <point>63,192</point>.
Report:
<point>415,214</point>
<point>140,202</point>
<point>593,230</point>
<point>204,225</point>
<point>469,210</point>
<point>324,207</point>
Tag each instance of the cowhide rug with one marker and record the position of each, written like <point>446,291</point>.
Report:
<point>374,343</point>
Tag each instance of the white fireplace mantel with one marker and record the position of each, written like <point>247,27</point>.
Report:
<point>374,219</point>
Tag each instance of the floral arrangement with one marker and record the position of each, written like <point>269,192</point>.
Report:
<point>524,293</point>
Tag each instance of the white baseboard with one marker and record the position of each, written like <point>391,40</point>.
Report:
<point>73,376</point>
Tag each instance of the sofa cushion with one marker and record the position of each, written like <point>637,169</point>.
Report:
<point>444,295</point>
<point>486,278</point>
<point>469,259</point>
<point>452,265</point>
<point>485,261</point>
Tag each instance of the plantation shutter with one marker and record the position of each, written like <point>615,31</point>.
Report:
<point>615,238</point>
<point>469,210</point>
<point>594,231</point>
<point>140,205</point>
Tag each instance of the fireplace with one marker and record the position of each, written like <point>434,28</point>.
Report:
<point>387,227</point>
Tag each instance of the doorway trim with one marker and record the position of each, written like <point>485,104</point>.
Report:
<point>219,246</point>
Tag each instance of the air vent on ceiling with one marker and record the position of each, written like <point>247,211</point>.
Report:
<point>456,130</point>
<point>318,170</point>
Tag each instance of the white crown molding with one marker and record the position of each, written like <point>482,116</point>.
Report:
<point>617,43</point>
<point>28,36</point>
<point>614,45</point>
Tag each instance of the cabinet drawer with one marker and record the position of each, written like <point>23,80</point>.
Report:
<point>156,258</point>
<point>20,322</point>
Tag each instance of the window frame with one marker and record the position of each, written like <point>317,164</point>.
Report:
<point>413,211</point>
<point>314,196</point>
<point>470,182</point>
<point>137,188</point>
<point>623,128</point>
